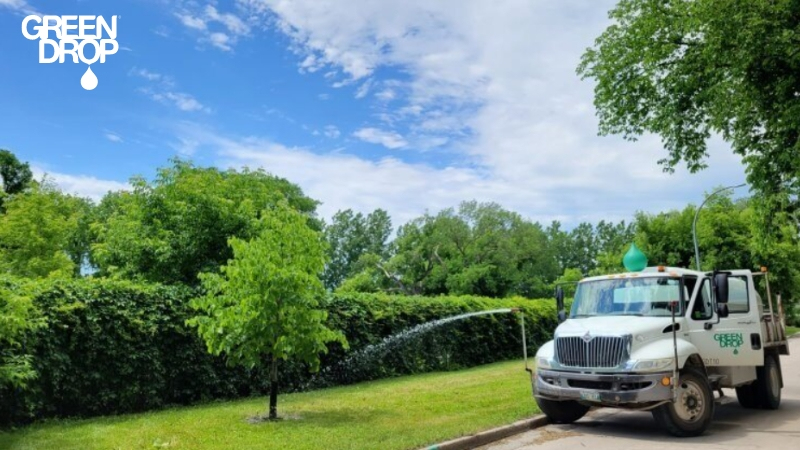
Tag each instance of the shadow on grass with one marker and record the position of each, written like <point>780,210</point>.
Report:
<point>334,418</point>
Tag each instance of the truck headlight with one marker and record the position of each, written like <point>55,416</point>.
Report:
<point>543,363</point>
<point>648,365</point>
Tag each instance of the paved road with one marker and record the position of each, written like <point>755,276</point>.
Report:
<point>734,427</point>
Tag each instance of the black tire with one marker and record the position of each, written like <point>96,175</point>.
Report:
<point>692,414</point>
<point>562,412</point>
<point>748,396</point>
<point>768,382</point>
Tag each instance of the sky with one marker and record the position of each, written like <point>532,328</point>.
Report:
<point>406,105</point>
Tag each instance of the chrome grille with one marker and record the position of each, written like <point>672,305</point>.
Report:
<point>600,351</point>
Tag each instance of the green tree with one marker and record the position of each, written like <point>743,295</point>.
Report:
<point>14,175</point>
<point>479,249</point>
<point>569,281</point>
<point>16,319</point>
<point>351,236</point>
<point>590,248</point>
<point>266,301</point>
<point>688,70</point>
<point>178,225</point>
<point>731,235</point>
<point>43,233</point>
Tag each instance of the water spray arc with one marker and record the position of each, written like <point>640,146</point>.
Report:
<point>352,367</point>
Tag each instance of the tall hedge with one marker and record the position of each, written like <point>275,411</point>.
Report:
<point>114,347</point>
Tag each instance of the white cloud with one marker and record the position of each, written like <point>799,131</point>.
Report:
<point>190,21</point>
<point>186,146</point>
<point>388,139</point>
<point>221,30</point>
<point>234,24</point>
<point>113,137</point>
<point>220,40</point>
<point>151,76</point>
<point>20,6</point>
<point>406,190</point>
<point>161,89</point>
<point>80,185</point>
<point>386,95</point>
<point>332,132</point>
<point>182,101</point>
<point>497,81</point>
<point>344,181</point>
<point>363,90</point>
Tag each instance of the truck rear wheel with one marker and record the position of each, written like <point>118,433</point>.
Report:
<point>768,384</point>
<point>692,413</point>
<point>562,412</point>
<point>748,395</point>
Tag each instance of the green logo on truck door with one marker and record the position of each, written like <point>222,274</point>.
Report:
<point>726,340</point>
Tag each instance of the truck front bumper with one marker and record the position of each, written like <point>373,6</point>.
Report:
<point>606,389</point>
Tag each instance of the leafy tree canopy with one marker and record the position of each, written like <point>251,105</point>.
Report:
<point>15,176</point>
<point>479,249</point>
<point>730,236</point>
<point>688,70</point>
<point>178,225</point>
<point>44,233</point>
<point>351,236</point>
<point>16,319</point>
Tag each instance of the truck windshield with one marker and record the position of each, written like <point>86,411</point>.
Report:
<point>645,296</point>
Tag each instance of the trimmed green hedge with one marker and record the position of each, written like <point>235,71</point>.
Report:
<point>113,347</point>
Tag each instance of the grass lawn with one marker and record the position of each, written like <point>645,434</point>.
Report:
<point>792,330</point>
<point>401,413</point>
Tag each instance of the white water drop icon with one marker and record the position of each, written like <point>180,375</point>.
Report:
<point>89,79</point>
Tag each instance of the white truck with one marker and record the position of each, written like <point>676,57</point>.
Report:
<point>664,339</point>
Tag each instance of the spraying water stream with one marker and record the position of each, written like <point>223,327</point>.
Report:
<point>356,366</point>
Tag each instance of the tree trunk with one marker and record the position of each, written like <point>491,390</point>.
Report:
<point>273,390</point>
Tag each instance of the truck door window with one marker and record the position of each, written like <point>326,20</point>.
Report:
<point>702,308</point>
<point>738,298</point>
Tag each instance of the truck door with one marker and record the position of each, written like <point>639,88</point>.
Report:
<point>736,340</point>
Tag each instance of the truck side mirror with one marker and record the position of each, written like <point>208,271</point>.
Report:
<point>722,310</point>
<point>721,287</point>
<point>559,298</point>
<point>562,315</point>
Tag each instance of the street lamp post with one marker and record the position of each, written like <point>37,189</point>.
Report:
<point>697,214</point>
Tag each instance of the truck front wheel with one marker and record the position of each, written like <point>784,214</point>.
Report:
<point>693,411</point>
<point>562,412</point>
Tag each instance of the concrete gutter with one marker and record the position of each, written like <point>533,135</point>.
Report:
<point>489,436</point>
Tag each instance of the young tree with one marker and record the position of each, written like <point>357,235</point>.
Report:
<point>266,301</point>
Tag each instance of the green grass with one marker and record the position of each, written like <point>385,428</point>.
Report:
<point>401,413</point>
<point>792,330</point>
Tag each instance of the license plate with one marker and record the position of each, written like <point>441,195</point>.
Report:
<point>590,396</point>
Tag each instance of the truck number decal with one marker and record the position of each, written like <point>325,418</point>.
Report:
<point>727,340</point>
<point>711,361</point>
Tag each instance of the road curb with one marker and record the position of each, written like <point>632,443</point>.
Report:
<point>489,436</point>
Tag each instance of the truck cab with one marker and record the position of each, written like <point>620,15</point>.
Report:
<point>664,339</point>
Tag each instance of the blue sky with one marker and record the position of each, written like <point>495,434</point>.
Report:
<point>408,105</point>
